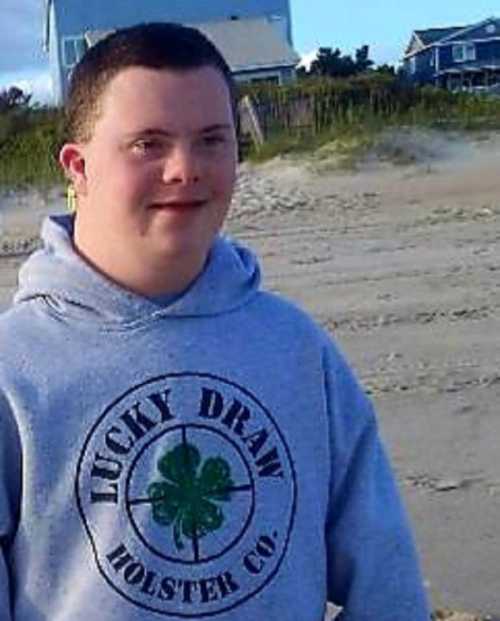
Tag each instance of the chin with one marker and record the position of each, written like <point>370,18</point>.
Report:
<point>179,249</point>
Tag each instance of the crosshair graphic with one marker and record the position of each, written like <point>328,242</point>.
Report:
<point>174,493</point>
<point>198,493</point>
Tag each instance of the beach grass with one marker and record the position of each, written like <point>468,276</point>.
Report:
<point>351,114</point>
<point>347,118</point>
<point>29,143</point>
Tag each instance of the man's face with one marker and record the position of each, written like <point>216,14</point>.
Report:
<point>157,175</point>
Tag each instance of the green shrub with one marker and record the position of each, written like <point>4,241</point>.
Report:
<point>29,143</point>
<point>331,109</point>
<point>327,107</point>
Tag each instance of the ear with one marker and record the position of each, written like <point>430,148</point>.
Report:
<point>72,160</point>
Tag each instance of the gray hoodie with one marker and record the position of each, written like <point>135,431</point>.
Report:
<point>210,456</point>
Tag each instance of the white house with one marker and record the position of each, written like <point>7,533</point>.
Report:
<point>255,36</point>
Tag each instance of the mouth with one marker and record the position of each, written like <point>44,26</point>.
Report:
<point>183,205</point>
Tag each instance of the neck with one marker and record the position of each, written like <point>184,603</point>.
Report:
<point>148,276</point>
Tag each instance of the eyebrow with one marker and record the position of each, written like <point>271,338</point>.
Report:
<point>153,131</point>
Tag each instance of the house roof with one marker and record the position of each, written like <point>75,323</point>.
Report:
<point>432,35</point>
<point>250,43</point>
<point>246,44</point>
<point>93,36</point>
<point>421,39</point>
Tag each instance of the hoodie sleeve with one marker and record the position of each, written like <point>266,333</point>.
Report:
<point>10,486</point>
<point>373,570</point>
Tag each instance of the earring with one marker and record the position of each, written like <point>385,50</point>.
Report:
<point>71,198</point>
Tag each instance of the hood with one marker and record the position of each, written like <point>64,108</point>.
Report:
<point>60,276</point>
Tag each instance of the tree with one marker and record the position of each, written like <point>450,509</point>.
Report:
<point>332,63</point>
<point>363,62</point>
<point>13,98</point>
<point>302,73</point>
<point>386,69</point>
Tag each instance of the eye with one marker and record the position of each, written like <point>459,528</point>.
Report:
<point>145,146</point>
<point>213,140</point>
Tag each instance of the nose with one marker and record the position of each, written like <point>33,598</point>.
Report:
<point>181,166</point>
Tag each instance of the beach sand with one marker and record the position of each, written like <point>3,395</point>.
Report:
<point>401,263</point>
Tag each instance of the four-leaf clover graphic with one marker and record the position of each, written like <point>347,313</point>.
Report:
<point>187,496</point>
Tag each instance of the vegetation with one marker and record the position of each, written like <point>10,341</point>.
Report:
<point>30,137</point>
<point>332,63</point>
<point>309,113</point>
<point>319,109</point>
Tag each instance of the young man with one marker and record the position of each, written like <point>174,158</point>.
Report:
<point>175,442</point>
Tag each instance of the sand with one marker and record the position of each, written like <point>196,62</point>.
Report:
<point>401,263</point>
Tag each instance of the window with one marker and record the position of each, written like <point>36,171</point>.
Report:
<point>491,28</point>
<point>432,59</point>
<point>462,52</point>
<point>272,79</point>
<point>73,49</point>
<point>413,65</point>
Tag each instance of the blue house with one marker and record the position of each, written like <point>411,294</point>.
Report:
<point>456,58</point>
<point>255,36</point>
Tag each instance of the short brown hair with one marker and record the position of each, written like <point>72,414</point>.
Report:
<point>154,45</point>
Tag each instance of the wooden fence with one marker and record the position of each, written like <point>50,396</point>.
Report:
<point>312,108</point>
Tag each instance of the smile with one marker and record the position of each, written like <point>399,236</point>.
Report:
<point>178,205</point>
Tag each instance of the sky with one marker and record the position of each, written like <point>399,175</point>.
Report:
<point>384,25</point>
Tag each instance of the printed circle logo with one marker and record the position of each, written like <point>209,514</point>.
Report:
<point>187,492</point>
<point>192,497</point>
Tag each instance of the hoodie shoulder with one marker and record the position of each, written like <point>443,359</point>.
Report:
<point>18,329</point>
<point>56,272</point>
<point>286,315</point>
